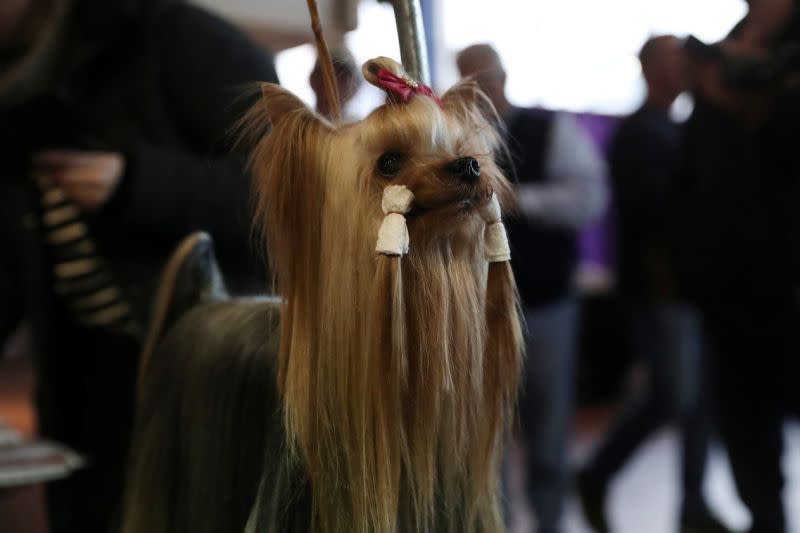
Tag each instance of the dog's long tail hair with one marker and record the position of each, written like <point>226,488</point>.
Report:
<point>207,376</point>
<point>206,408</point>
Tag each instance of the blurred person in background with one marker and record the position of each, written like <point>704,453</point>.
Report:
<point>114,144</point>
<point>663,331</point>
<point>348,79</point>
<point>560,188</point>
<point>738,193</point>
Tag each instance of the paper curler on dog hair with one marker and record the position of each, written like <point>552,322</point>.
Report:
<point>504,338</point>
<point>495,239</point>
<point>393,233</point>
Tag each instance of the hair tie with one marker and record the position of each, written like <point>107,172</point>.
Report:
<point>389,75</point>
<point>495,238</point>
<point>404,86</point>
<point>393,233</point>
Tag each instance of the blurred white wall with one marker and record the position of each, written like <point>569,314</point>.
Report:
<point>578,55</point>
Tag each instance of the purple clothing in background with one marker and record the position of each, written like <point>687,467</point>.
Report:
<point>595,243</point>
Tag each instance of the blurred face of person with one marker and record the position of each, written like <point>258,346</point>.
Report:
<point>668,75</point>
<point>488,74</point>
<point>12,13</point>
<point>675,67</point>
<point>346,86</point>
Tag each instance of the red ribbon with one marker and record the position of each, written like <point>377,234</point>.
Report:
<point>404,87</point>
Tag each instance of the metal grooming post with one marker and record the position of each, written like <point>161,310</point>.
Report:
<point>411,33</point>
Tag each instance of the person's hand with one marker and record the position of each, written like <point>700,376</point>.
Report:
<point>89,178</point>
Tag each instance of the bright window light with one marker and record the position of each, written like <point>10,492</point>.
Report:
<point>376,35</point>
<point>577,55</point>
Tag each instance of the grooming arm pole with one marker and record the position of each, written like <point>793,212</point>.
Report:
<point>411,33</point>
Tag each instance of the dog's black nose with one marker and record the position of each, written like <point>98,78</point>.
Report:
<point>466,168</point>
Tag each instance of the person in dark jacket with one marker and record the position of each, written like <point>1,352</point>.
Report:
<point>663,330</point>
<point>115,128</point>
<point>738,195</point>
<point>560,189</point>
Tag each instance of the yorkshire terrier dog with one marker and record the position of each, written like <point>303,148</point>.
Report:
<point>383,406</point>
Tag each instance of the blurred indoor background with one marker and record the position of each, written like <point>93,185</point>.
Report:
<point>578,56</point>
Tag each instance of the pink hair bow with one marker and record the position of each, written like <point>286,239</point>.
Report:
<point>403,86</point>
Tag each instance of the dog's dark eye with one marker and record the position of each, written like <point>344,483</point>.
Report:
<point>390,163</point>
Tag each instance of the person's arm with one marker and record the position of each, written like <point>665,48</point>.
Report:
<point>574,191</point>
<point>206,66</point>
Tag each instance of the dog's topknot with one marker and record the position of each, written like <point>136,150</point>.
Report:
<point>390,76</point>
<point>371,68</point>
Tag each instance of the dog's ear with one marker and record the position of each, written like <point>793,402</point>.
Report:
<point>465,92</point>
<point>466,97</point>
<point>276,105</point>
<point>280,103</point>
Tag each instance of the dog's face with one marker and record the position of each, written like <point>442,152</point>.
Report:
<point>443,155</point>
<point>442,151</point>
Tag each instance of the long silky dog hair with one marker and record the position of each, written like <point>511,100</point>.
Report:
<point>386,402</point>
<point>207,402</point>
<point>397,373</point>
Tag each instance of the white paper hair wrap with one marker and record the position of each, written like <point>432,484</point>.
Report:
<point>495,239</point>
<point>393,233</point>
